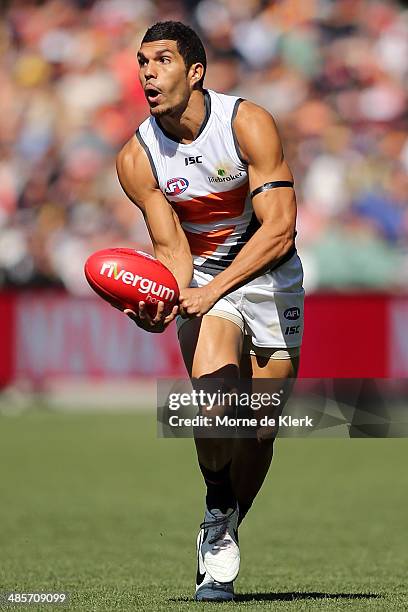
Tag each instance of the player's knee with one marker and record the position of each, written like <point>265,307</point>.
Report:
<point>222,371</point>
<point>218,392</point>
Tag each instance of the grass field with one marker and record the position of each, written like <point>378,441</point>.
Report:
<point>97,506</point>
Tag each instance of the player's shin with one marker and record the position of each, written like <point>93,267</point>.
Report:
<point>250,464</point>
<point>220,493</point>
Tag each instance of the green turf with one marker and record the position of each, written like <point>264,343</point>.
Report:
<point>97,506</point>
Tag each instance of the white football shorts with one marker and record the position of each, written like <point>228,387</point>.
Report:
<point>268,310</point>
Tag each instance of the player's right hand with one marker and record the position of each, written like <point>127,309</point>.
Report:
<point>154,325</point>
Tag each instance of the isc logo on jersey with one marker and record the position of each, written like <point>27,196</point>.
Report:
<point>175,186</point>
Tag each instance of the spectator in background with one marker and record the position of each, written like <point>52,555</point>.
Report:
<point>334,74</point>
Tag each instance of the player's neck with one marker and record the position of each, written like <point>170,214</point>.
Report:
<point>185,125</point>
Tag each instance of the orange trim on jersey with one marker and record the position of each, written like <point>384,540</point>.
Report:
<point>206,243</point>
<point>213,207</point>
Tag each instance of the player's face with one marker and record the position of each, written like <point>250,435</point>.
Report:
<point>162,74</point>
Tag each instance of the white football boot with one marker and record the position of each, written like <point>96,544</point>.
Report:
<point>208,589</point>
<point>218,556</point>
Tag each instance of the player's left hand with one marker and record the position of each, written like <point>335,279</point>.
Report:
<point>195,302</point>
<point>153,324</point>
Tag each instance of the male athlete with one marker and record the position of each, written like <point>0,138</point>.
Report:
<point>208,173</point>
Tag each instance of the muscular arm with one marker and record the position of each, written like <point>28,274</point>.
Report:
<point>168,238</point>
<point>275,209</point>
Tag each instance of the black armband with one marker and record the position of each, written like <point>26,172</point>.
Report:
<point>272,185</point>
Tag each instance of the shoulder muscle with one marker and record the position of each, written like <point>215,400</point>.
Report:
<point>259,141</point>
<point>135,173</point>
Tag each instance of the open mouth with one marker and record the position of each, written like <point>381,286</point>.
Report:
<point>152,95</point>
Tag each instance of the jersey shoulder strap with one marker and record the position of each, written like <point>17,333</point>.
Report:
<point>146,137</point>
<point>226,108</point>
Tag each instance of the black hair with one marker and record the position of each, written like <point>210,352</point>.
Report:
<point>189,44</point>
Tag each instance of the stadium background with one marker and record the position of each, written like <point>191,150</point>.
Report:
<point>334,74</point>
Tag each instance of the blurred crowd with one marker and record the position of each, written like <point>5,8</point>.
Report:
<point>333,73</point>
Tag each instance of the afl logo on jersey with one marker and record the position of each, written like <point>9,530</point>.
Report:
<point>175,186</point>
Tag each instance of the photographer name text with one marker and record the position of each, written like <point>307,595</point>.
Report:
<point>226,421</point>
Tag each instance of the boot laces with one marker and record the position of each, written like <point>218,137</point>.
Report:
<point>219,525</point>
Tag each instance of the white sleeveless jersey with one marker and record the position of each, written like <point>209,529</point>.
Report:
<point>206,183</point>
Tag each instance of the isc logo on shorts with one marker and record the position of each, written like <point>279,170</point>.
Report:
<point>292,329</point>
<point>175,186</point>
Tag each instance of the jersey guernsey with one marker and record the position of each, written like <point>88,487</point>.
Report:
<point>206,183</point>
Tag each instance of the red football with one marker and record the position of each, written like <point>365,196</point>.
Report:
<point>125,277</point>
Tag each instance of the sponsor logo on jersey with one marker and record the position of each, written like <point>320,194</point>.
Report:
<point>176,186</point>
<point>292,313</point>
<point>221,178</point>
<point>145,285</point>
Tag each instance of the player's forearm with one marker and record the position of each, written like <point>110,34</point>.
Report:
<point>179,261</point>
<point>261,252</point>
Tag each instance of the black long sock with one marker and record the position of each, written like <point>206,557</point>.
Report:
<point>243,509</point>
<point>219,489</point>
